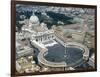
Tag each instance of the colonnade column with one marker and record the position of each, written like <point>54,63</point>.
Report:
<point>45,38</point>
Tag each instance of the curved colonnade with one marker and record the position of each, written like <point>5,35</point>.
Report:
<point>43,50</point>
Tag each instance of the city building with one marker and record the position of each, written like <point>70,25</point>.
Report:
<point>23,65</point>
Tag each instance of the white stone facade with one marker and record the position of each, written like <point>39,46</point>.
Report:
<point>43,36</point>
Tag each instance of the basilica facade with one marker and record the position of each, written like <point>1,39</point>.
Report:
<point>36,31</point>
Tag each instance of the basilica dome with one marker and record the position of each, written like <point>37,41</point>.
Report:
<point>34,19</point>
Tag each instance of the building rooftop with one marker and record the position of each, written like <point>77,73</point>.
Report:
<point>40,29</point>
<point>24,63</point>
